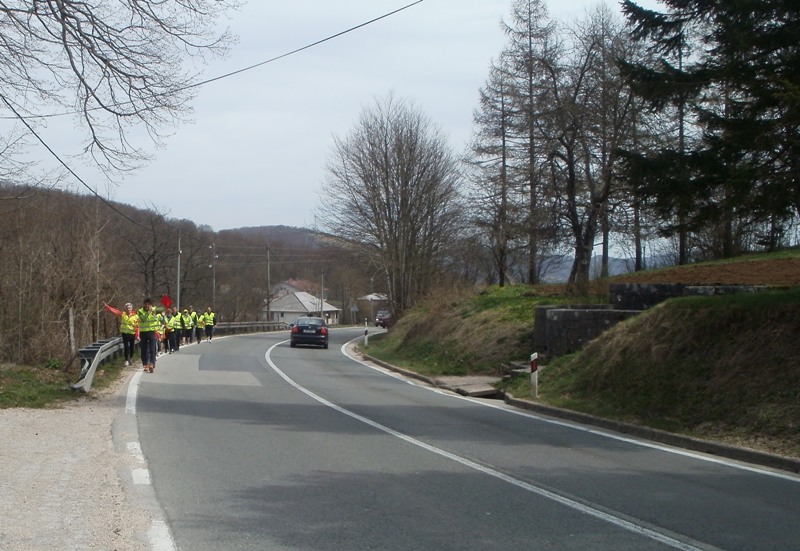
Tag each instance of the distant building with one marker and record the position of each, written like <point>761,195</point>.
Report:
<point>293,286</point>
<point>290,302</point>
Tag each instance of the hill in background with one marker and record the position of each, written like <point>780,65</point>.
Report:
<point>286,236</point>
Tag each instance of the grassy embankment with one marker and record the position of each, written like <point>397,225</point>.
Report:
<point>48,385</point>
<point>723,367</point>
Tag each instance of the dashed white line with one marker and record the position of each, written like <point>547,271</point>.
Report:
<point>135,449</point>
<point>160,537</point>
<point>159,534</point>
<point>141,477</point>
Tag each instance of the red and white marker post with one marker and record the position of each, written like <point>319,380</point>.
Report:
<point>534,375</point>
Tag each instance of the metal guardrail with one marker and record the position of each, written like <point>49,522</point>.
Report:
<point>237,327</point>
<point>96,354</point>
<point>93,356</point>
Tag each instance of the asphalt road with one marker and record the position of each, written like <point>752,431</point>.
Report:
<point>251,444</point>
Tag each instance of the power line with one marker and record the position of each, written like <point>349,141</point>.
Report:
<point>243,69</point>
<point>306,47</point>
<point>65,165</point>
<point>17,115</point>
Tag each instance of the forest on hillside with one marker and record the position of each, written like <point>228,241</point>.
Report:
<point>64,255</point>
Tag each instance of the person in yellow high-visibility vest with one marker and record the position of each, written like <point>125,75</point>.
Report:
<point>200,327</point>
<point>174,322</point>
<point>197,334</point>
<point>210,318</point>
<point>149,324</point>
<point>187,327</point>
<point>128,327</point>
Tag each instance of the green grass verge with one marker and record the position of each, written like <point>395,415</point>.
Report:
<point>725,367</point>
<point>467,333</point>
<point>48,386</point>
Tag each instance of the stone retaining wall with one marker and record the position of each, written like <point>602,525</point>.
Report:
<point>560,329</point>
<point>641,296</point>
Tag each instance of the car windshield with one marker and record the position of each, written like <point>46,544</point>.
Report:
<point>309,321</point>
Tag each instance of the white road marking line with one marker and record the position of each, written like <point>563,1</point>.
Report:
<point>133,392</point>
<point>572,504</point>
<point>141,477</point>
<point>135,449</point>
<point>159,534</point>
<point>630,440</point>
<point>160,537</point>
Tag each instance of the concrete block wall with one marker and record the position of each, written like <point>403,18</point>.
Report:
<point>569,330</point>
<point>562,329</point>
<point>640,296</point>
<point>545,335</point>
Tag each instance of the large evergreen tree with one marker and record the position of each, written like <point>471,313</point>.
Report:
<point>742,87</point>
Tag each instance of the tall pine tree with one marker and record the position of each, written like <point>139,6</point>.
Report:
<point>742,89</point>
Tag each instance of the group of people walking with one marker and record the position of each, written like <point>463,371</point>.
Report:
<point>161,329</point>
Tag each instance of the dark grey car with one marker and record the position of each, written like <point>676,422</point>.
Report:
<point>309,330</point>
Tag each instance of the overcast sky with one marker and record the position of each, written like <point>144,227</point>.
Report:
<point>255,151</point>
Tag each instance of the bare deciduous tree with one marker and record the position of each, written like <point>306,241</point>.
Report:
<point>531,57</point>
<point>494,209</point>
<point>110,64</point>
<point>392,186</point>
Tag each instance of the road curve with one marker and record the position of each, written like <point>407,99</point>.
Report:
<point>250,444</point>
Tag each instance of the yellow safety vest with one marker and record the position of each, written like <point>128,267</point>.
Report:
<point>128,323</point>
<point>148,321</point>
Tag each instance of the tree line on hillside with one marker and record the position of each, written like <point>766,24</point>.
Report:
<point>673,131</point>
<point>64,255</point>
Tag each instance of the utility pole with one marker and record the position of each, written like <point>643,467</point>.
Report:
<point>269,289</point>
<point>178,301</point>
<point>322,296</point>
<point>213,267</point>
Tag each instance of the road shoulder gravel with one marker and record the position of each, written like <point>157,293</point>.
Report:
<point>63,480</point>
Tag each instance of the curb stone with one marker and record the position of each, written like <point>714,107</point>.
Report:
<point>735,453</point>
<point>727,451</point>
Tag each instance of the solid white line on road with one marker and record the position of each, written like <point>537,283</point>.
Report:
<point>565,501</point>
<point>133,392</point>
<point>630,440</point>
